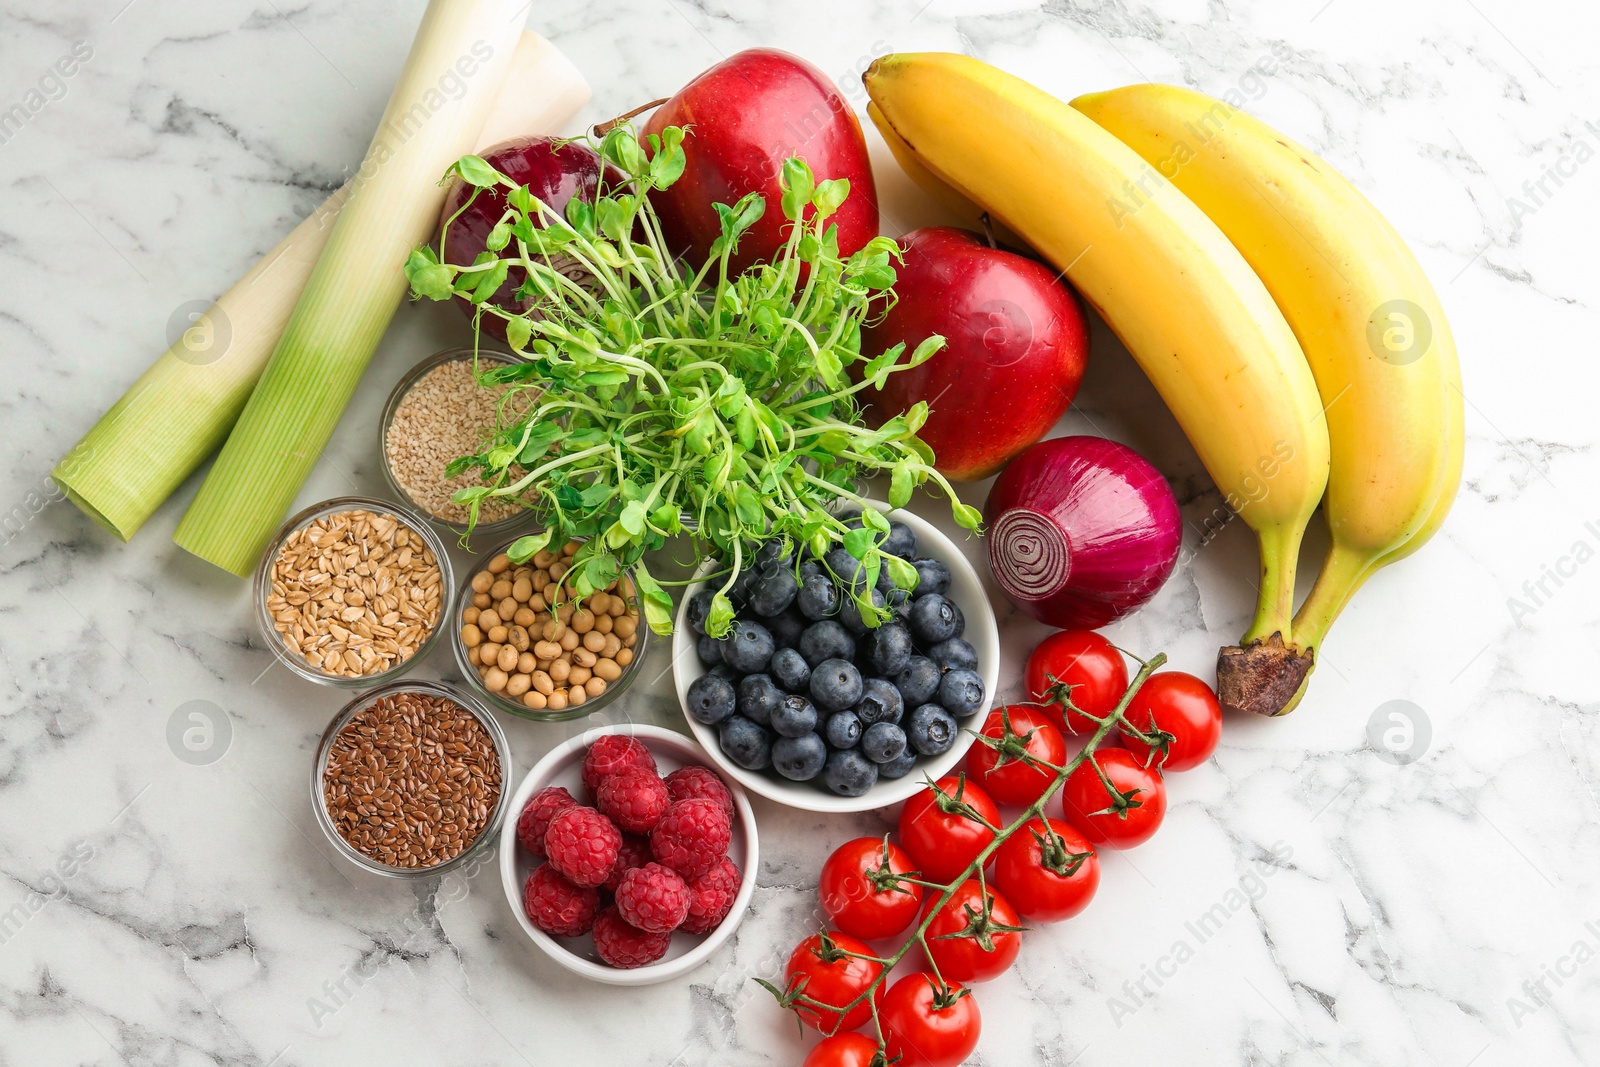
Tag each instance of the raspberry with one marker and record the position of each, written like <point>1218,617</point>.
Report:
<point>582,844</point>
<point>634,798</point>
<point>687,783</point>
<point>653,898</point>
<point>711,898</point>
<point>535,818</point>
<point>558,907</point>
<point>612,753</point>
<point>691,837</point>
<point>625,946</point>
<point>635,852</point>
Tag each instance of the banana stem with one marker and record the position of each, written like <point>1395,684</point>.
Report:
<point>1343,572</point>
<point>1280,555</point>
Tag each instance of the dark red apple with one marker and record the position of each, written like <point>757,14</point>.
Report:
<point>552,171</point>
<point>1016,348</point>
<point>746,116</point>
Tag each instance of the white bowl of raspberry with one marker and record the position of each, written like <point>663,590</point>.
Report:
<point>642,868</point>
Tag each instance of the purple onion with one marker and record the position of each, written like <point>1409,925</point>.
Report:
<point>1081,531</point>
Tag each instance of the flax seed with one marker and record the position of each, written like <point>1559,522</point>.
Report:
<point>392,770</point>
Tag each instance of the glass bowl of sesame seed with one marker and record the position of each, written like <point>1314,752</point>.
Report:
<point>411,780</point>
<point>354,592</point>
<point>436,413</point>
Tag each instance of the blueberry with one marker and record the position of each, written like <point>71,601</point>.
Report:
<point>711,699</point>
<point>799,759</point>
<point>749,647</point>
<point>699,608</point>
<point>882,742</point>
<point>898,767</point>
<point>889,648</point>
<point>811,568</point>
<point>739,593</point>
<point>961,692</point>
<point>790,669</point>
<point>931,730</point>
<point>843,729</point>
<point>745,743</point>
<point>795,716</point>
<point>879,702</point>
<point>835,684</point>
<point>818,599</point>
<point>919,681</point>
<point>954,655</point>
<point>710,650</point>
<point>932,576</point>
<point>935,618</point>
<point>773,591</point>
<point>849,773</point>
<point>726,673</point>
<point>787,627</point>
<point>757,698</point>
<point>901,541</point>
<point>779,551</point>
<point>851,572</point>
<point>850,612</point>
<point>826,640</point>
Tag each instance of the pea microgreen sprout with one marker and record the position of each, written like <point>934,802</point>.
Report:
<point>980,922</point>
<point>682,399</point>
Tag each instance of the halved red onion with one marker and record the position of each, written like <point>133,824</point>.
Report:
<point>1081,531</point>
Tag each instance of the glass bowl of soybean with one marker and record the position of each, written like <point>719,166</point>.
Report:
<point>530,647</point>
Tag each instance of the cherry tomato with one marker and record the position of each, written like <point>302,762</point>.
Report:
<point>984,956</point>
<point>1183,706</point>
<point>1102,818</point>
<point>1007,777</point>
<point>926,1026</point>
<point>856,896</point>
<point>1047,871</point>
<point>943,842</point>
<point>843,1050</point>
<point>1082,665</point>
<point>828,977</point>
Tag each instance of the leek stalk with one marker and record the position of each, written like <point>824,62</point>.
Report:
<point>185,404</point>
<point>355,287</point>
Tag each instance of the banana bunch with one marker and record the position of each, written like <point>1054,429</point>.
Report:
<point>1284,321</point>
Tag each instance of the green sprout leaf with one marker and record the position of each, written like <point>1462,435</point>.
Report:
<point>720,618</point>
<point>830,197</point>
<point>901,573</point>
<point>656,603</point>
<point>475,170</point>
<point>429,277</point>
<point>798,185</point>
<point>526,547</point>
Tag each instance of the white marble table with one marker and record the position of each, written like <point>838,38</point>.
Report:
<point>1445,912</point>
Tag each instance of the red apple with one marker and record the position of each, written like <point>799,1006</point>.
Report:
<point>746,115</point>
<point>1016,347</point>
<point>554,172</point>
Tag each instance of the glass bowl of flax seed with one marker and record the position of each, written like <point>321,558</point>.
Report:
<point>436,413</point>
<point>410,779</point>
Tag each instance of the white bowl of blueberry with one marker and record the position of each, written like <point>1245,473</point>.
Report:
<point>803,703</point>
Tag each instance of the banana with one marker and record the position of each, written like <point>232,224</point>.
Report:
<point>1163,277</point>
<point>1370,326</point>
